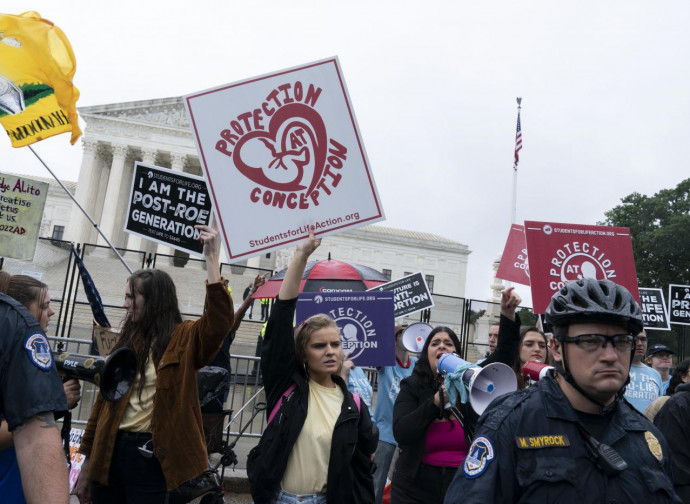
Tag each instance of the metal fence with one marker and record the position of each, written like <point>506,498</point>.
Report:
<point>246,390</point>
<point>72,328</point>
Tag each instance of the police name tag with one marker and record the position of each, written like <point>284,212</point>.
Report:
<point>549,441</point>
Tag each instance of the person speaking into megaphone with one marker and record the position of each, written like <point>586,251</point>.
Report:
<point>433,441</point>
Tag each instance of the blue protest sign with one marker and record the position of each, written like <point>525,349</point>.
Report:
<point>365,320</point>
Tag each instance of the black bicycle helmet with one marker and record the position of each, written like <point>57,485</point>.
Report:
<point>591,299</point>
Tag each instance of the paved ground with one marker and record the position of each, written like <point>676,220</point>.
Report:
<point>229,499</point>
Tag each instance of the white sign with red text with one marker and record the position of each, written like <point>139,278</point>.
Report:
<point>282,152</point>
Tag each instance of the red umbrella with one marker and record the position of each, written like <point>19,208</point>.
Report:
<point>327,276</point>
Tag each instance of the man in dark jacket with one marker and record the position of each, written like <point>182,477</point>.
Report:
<point>573,438</point>
<point>673,420</point>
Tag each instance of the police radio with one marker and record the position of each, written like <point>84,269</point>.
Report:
<point>113,374</point>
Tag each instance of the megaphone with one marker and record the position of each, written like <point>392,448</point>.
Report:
<point>484,384</point>
<point>535,370</point>
<point>415,335</point>
<point>113,374</point>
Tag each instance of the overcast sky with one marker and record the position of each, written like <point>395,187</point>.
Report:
<point>605,87</point>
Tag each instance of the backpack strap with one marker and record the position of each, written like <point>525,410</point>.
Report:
<point>357,402</point>
<point>289,391</point>
<point>278,404</point>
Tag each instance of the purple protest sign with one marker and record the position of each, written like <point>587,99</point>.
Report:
<point>365,320</point>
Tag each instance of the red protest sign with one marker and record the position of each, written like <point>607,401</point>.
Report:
<point>514,266</point>
<point>559,253</point>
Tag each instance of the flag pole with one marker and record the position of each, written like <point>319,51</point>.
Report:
<point>518,146</point>
<point>82,209</point>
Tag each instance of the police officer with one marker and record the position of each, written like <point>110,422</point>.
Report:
<point>30,391</point>
<point>573,438</point>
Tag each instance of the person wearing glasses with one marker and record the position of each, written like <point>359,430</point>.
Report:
<point>645,382</point>
<point>572,438</point>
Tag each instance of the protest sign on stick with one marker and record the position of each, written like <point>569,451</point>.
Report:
<point>165,205</point>
<point>365,320</point>
<point>560,252</point>
<point>284,152</point>
<point>514,266</point>
<point>411,294</point>
<point>21,209</point>
<point>679,304</point>
<point>654,314</point>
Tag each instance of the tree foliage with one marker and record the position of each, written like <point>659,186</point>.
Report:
<point>660,229</point>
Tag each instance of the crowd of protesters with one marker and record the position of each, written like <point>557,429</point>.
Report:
<point>576,434</point>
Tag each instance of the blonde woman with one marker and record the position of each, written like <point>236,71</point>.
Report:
<point>317,448</point>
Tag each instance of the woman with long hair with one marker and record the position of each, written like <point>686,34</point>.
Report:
<point>318,447</point>
<point>433,443</point>
<point>533,346</point>
<point>152,440</point>
<point>34,295</point>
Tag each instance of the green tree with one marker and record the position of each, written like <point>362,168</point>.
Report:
<point>527,317</point>
<point>660,229</point>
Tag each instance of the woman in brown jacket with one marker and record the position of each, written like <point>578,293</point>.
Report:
<point>152,440</point>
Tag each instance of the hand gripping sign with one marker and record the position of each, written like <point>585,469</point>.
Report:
<point>283,151</point>
<point>559,253</point>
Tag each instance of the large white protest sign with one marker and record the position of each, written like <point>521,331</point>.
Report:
<point>21,209</point>
<point>411,294</point>
<point>282,152</point>
<point>165,205</point>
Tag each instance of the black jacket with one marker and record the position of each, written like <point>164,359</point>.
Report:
<point>673,420</point>
<point>528,448</point>
<point>414,408</point>
<point>349,478</point>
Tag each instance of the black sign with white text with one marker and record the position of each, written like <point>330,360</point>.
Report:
<point>679,304</point>
<point>411,294</point>
<point>653,307</point>
<point>165,205</point>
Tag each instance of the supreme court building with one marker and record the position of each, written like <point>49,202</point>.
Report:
<point>158,132</point>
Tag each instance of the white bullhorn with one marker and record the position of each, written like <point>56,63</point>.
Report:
<point>535,371</point>
<point>415,336</point>
<point>484,384</point>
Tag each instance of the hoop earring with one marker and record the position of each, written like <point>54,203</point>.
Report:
<point>306,370</point>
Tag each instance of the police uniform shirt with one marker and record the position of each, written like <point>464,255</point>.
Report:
<point>528,448</point>
<point>29,381</point>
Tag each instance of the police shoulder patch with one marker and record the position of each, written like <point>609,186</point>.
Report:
<point>38,349</point>
<point>479,456</point>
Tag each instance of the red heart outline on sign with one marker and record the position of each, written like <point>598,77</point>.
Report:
<point>282,120</point>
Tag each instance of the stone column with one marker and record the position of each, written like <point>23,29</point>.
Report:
<point>178,161</point>
<point>148,157</point>
<point>111,200</point>
<point>79,226</point>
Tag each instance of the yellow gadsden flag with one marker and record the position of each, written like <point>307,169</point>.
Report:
<point>37,98</point>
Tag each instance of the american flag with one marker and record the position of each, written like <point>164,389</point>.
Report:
<point>518,143</point>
